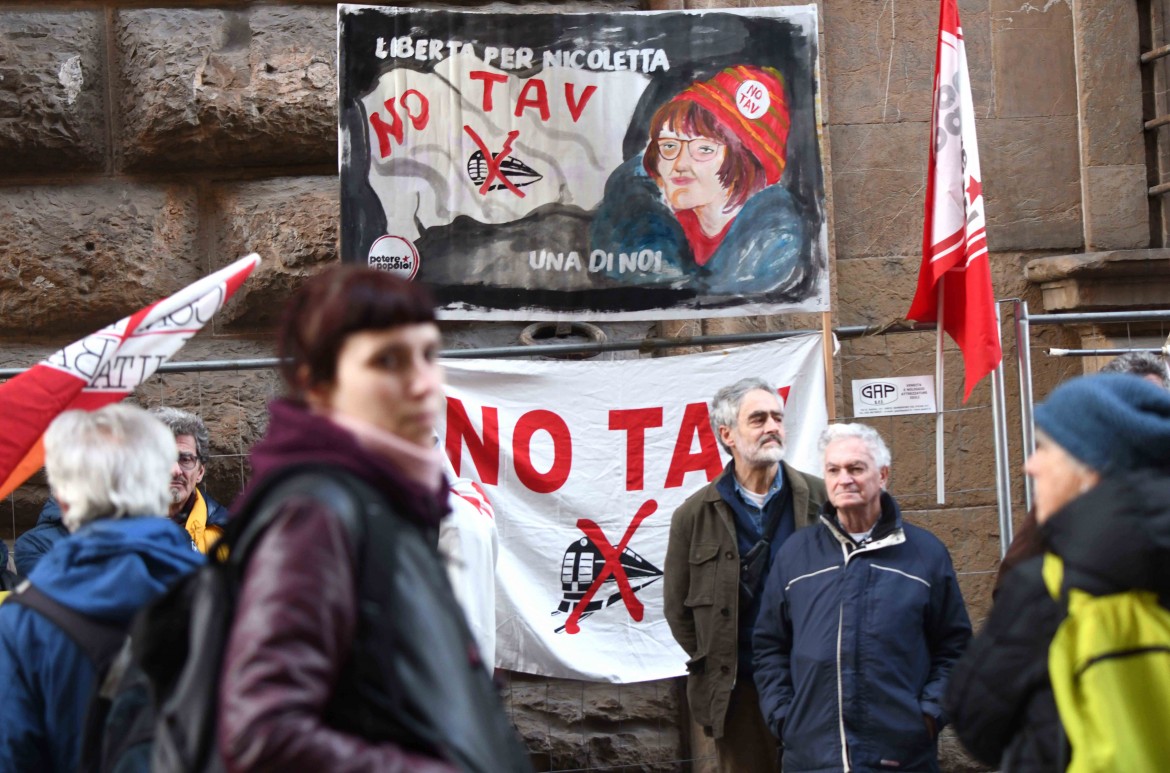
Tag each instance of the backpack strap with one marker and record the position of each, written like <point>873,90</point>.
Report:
<point>98,639</point>
<point>1052,572</point>
<point>101,642</point>
<point>338,490</point>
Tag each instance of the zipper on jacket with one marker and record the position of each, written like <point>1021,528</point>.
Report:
<point>897,537</point>
<point>841,692</point>
<point>846,554</point>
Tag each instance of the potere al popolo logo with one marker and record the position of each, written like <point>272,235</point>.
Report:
<point>394,254</point>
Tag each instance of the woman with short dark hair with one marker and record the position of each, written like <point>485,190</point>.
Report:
<point>348,651</point>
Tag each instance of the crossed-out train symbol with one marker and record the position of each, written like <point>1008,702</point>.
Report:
<point>596,574</point>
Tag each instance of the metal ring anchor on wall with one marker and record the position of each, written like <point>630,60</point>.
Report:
<point>542,334</point>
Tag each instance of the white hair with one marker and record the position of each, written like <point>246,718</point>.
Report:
<point>109,463</point>
<point>863,432</point>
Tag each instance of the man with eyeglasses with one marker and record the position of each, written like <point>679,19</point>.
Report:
<point>191,508</point>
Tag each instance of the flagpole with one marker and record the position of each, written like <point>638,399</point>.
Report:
<point>940,488</point>
<point>827,353</point>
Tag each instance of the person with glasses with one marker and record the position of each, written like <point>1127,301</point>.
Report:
<point>190,506</point>
<point>706,192</point>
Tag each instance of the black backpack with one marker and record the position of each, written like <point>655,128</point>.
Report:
<point>9,580</point>
<point>179,641</point>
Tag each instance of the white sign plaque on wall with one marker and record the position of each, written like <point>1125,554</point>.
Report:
<point>893,396</point>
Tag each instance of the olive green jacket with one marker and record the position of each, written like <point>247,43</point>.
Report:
<point>701,589</point>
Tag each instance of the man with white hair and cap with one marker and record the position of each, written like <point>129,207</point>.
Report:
<point>110,472</point>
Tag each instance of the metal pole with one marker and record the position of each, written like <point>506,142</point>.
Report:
<point>1024,356</point>
<point>1100,316</point>
<point>940,489</point>
<point>1003,487</point>
<point>1055,352</point>
<point>643,344</point>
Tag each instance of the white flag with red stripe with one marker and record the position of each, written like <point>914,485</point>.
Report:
<point>956,271</point>
<point>104,367</point>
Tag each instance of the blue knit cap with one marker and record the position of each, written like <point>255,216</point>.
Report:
<point>1112,422</point>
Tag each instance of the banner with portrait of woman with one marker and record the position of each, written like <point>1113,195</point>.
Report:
<point>624,165</point>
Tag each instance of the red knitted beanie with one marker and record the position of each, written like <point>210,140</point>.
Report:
<point>749,102</point>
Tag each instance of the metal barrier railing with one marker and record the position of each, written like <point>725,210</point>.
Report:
<point>549,350</point>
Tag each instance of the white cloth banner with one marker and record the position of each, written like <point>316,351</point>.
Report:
<point>585,462</point>
<point>457,113</point>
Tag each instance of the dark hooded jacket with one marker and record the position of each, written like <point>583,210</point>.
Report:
<point>296,619</point>
<point>108,570</point>
<point>854,645</point>
<point>1116,537</point>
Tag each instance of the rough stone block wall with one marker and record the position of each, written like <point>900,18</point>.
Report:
<point>143,145</point>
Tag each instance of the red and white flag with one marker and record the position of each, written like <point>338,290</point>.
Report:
<point>956,272</point>
<point>104,367</point>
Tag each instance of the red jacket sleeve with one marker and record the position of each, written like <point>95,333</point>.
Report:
<point>293,629</point>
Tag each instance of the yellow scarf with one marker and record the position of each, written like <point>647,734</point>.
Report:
<point>202,535</point>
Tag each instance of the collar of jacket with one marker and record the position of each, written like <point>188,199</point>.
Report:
<point>799,485</point>
<point>792,478</point>
<point>887,531</point>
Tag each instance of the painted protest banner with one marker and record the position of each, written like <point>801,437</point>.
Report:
<point>639,165</point>
<point>585,462</point>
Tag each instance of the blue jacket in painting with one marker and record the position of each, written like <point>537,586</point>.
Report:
<point>108,570</point>
<point>767,250</point>
<point>854,644</point>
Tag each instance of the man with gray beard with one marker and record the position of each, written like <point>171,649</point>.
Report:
<point>723,540</point>
<point>191,508</point>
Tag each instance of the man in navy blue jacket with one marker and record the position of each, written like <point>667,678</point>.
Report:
<point>860,625</point>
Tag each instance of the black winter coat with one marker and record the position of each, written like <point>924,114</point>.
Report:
<point>1116,537</point>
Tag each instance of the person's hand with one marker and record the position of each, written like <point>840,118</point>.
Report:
<point>931,727</point>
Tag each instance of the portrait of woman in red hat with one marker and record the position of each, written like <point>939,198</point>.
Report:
<point>706,191</point>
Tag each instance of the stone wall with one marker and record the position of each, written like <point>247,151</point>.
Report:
<point>143,145</point>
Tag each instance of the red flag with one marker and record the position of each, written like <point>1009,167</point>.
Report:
<point>955,269</point>
<point>103,367</point>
